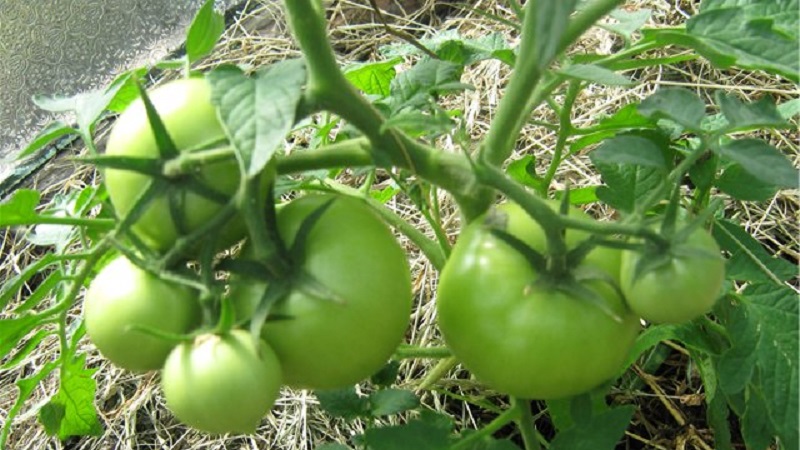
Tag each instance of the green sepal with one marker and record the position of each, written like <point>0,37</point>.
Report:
<point>534,258</point>
<point>577,290</point>
<point>146,166</point>
<point>160,334</point>
<point>273,292</point>
<point>297,250</point>
<point>312,287</point>
<point>166,147</point>
<point>154,188</point>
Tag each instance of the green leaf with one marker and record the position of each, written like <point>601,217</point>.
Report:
<point>749,260</point>
<point>71,411</point>
<point>523,170</point>
<point>387,375</point>
<point>626,118</point>
<point>580,196</point>
<point>754,42</point>
<point>450,46</point>
<point>717,413</point>
<point>757,430</point>
<point>417,434</point>
<point>128,90</point>
<point>417,123</point>
<point>204,32</point>
<point>595,74</point>
<point>344,403</point>
<point>387,402</point>
<point>25,386</point>
<point>740,184</point>
<point>749,116</point>
<point>761,160</point>
<point>51,132</point>
<point>258,111</point>
<point>20,209</point>
<point>679,37</point>
<point>627,21</point>
<point>627,185</point>
<point>88,106</point>
<point>676,104</point>
<point>373,78</point>
<point>30,345</point>
<point>602,431</point>
<point>416,86</point>
<point>775,309</point>
<point>633,149</point>
<point>783,13</point>
<point>736,365</point>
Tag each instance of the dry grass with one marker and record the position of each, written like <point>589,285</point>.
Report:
<point>670,415</point>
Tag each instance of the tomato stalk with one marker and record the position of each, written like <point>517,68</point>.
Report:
<point>406,351</point>
<point>514,108</point>
<point>525,423</point>
<point>329,90</point>
<point>506,417</point>
<point>250,202</point>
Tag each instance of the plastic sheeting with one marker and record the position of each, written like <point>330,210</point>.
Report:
<point>64,47</point>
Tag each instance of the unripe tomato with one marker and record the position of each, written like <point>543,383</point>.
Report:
<point>517,331</point>
<point>191,121</point>
<point>326,343</point>
<point>123,295</point>
<point>221,383</point>
<point>683,289</point>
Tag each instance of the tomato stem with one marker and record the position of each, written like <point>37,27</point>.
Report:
<point>329,90</point>
<point>506,417</point>
<point>413,351</point>
<point>525,423</point>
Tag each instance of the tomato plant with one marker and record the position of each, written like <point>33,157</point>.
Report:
<point>529,300</point>
<point>190,119</point>
<point>123,296</point>
<point>326,343</point>
<point>520,332</point>
<point>684,286</point>
<point>221,383</point>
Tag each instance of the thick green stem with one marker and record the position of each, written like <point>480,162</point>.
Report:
<point>329,90</point>
<point>349,153</point>
<point>525,423</point>
<point>516,105</point>
<point>251,205</point>
<point>413,351</point>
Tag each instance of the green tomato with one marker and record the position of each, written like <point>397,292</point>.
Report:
<point>221,383</point>
<point>516,331</point>
<point>191,121</point>
<point>684,288</point>
<point>122,296</point>
<point>326,343</point>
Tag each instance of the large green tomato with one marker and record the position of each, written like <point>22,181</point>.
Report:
<point>191,121</point>
<point>517,332</point>
<point>221,383</point>
<point>123,295</point>
<point>683,289</point>
<point>327,344</point>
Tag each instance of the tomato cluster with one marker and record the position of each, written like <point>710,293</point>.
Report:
<point>343,299</point>
<point>345,310</point>
<point>529,334</point>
